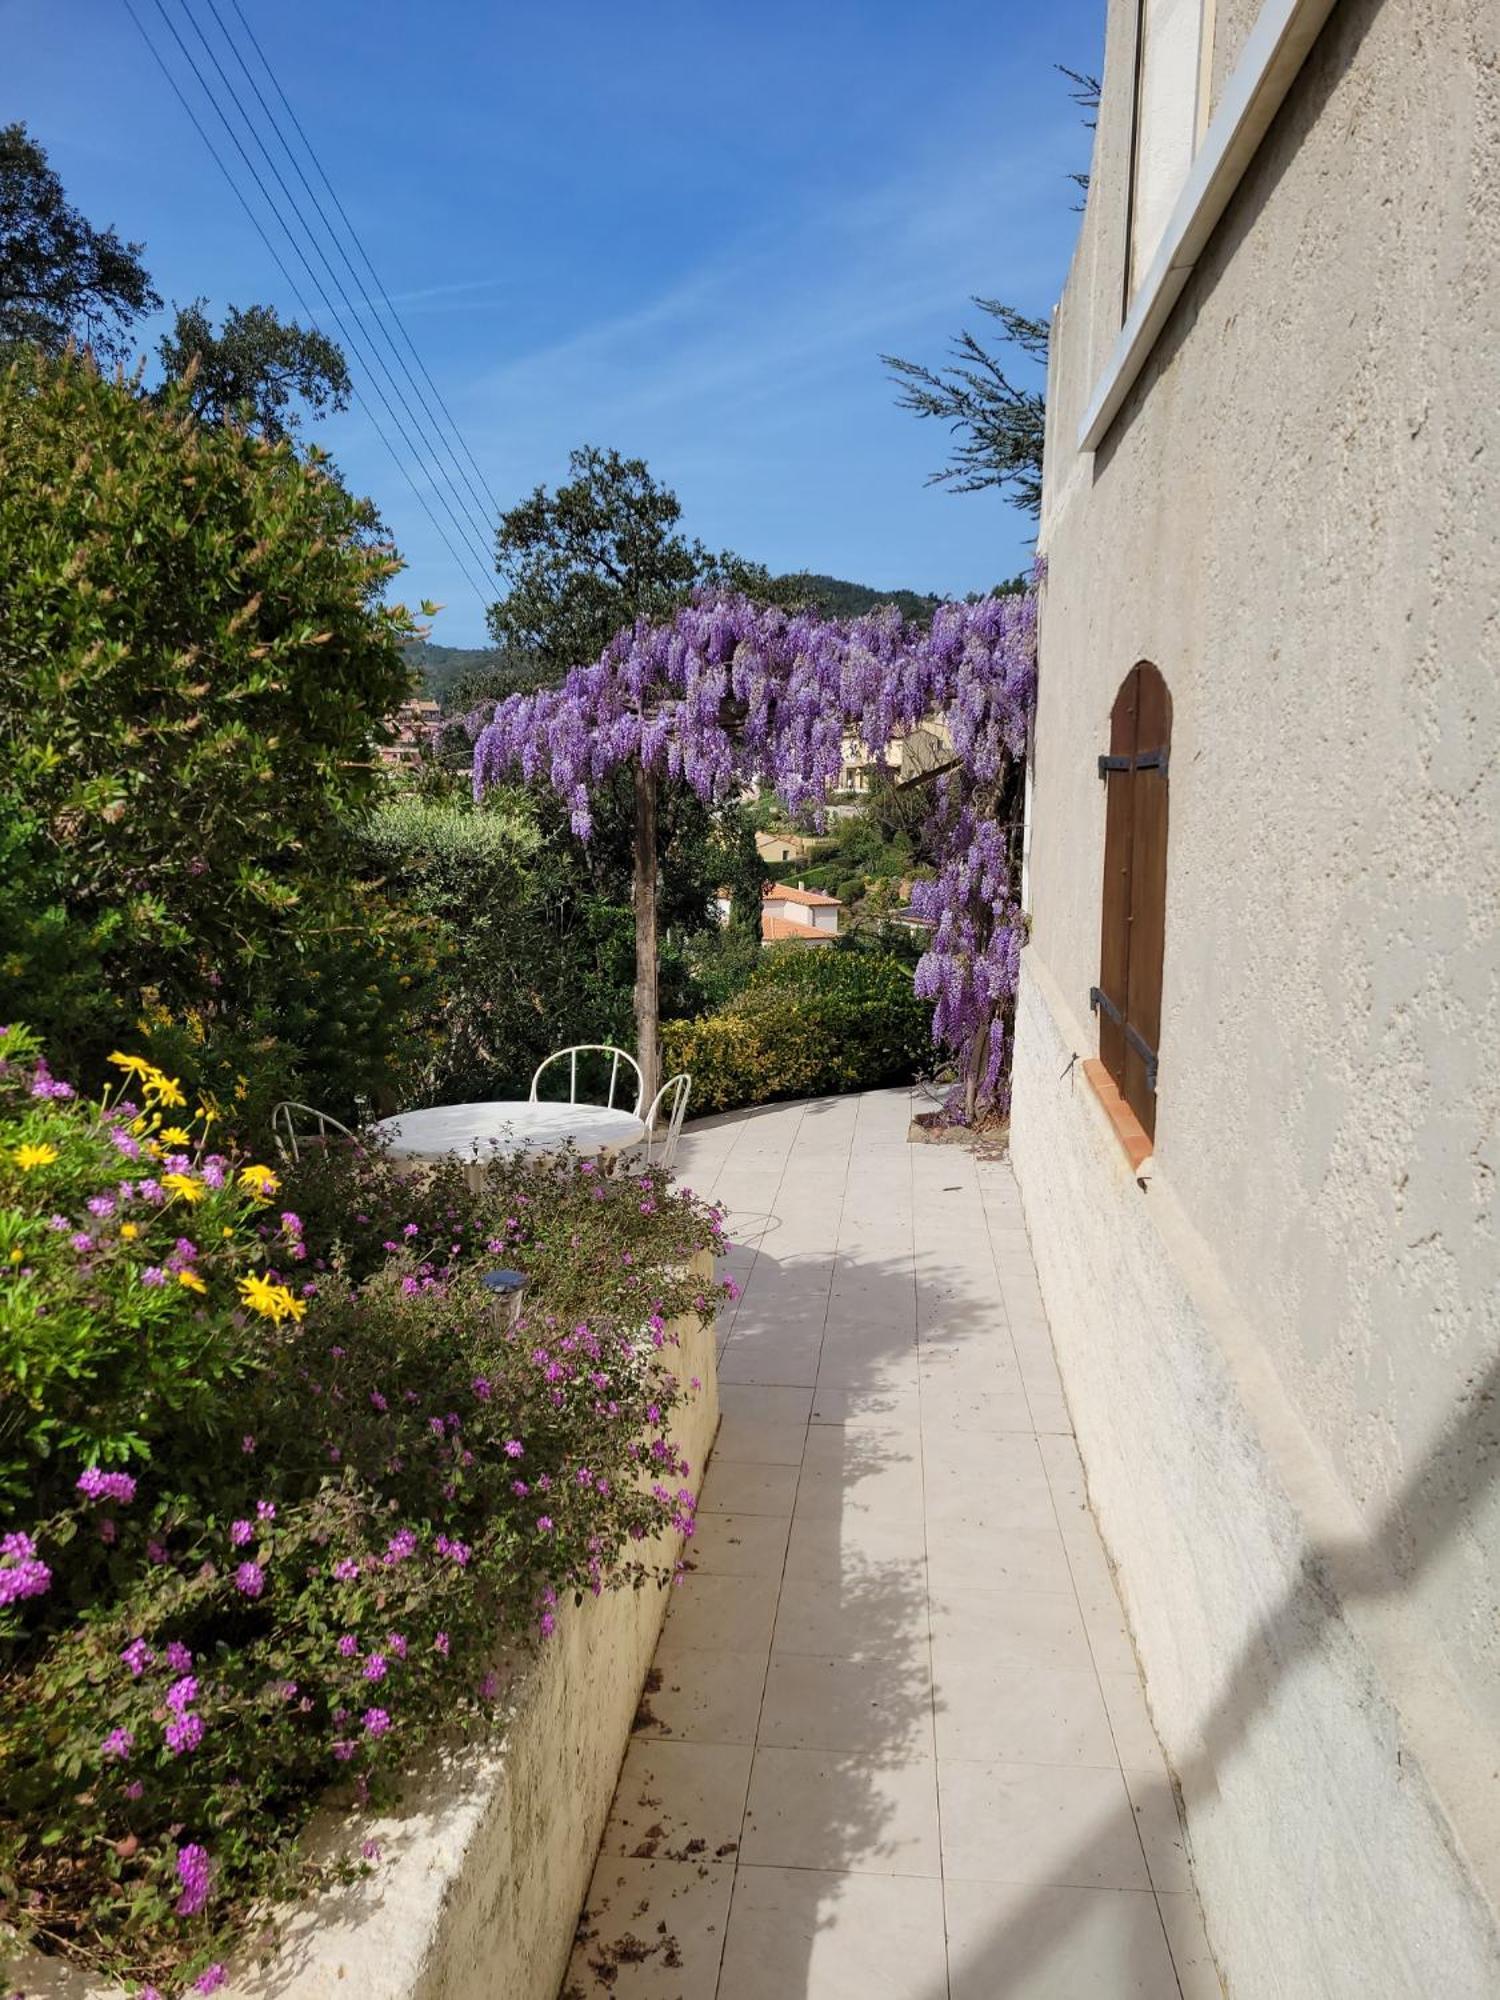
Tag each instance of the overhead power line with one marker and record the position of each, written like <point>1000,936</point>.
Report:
<point>481,588</point>
<point>364,254</point>
<point>474,526</point>
<point>377,373</point>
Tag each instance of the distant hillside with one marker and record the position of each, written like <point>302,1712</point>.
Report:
<point>836,598</point>
<point>458,675</point>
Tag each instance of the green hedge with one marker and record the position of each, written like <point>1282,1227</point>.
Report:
<point>813,1021</point>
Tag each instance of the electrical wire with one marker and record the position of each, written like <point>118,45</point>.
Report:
<point>364,254</point>
<point>481,590</point>
<point>465,526</point>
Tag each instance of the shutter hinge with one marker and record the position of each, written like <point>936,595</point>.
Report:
<point>1148,760</point>
<point>1099,999</point>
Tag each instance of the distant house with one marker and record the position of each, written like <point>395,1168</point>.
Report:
<point>779,847</point>
<point>414,723</point>
<point>860,763</point>
<point>801,914</point>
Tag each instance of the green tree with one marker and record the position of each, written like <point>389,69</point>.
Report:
<point>580,564</point>
<point>258,368</point>
<point>61,279</point>
<point>192,647</point>
<point>600,552</point>
<point>998,425</point>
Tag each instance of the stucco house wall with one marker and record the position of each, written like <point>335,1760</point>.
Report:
<point>1283,1353</point>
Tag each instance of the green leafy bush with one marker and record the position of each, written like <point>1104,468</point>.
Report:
<point>812,1020</point>
<point>195,664</point>
<point>528,958</point>
<point>305,1581</point>
<point>122,1236</point>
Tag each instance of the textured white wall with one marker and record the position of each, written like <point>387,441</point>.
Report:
<point>1294,517</point>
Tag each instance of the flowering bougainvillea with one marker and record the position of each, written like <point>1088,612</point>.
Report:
<point>729,691</point>
<point>303,1577</point>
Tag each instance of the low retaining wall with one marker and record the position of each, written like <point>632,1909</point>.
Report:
<point>485,1868</point>
<point>1344,1829</point>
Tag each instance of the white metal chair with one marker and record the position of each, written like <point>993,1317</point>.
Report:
<point>663,1129</point>
<point>617,1057</point>
<point>296,1125</point>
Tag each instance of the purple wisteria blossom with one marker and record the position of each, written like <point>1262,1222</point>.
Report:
<point>729,691</point>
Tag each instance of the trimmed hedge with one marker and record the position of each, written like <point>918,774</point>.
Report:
<point>813,1021</point>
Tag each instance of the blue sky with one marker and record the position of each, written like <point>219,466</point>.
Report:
<point>684,230</point>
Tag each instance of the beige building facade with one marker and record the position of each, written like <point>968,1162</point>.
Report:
<point>1273,474</point>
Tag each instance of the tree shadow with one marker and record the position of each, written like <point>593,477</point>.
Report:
<point>1030,1940</point>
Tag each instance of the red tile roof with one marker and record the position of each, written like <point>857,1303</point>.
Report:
<point>774,929</point>
<point>812,898</point>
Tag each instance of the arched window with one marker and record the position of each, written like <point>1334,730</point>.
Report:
<point>1133,930</point>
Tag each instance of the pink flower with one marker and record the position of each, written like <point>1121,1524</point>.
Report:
<point>194,1872</point>
<point>440,1644</point>
<point>240,1532</point>
<point>184,1734</point>
<point>177,1657</point>
<point>211,1980</point>
<point>247,1444</point>
<point>396,1641</point>
<point>118,1744</point>
<point>343,1749</point>
<point>376,1721</point>
<point>137,1657</point>
<point>348,1645</point>
<point>346,1570</point>
<point>97,1485</point>
<point>250,1579</point>
<point>182,1694</point>
<point>265,1510</point>
<point>375,1667</point>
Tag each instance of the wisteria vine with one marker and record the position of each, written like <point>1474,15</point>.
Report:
<point>729,692</point>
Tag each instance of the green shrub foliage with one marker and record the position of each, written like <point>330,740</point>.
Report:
<point>194,664</point>
<point>812,1021</point>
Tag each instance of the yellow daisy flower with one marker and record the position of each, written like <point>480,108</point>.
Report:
<point>259,1180</point>
<point>163,1089</point>
<point>27,1157</point>
<point>184,1186</point>
<point>192,1281</point>
<point>173,1135</point>
<point>129,1230</point>
<point>273,1302</point>
<point>132,1065</point>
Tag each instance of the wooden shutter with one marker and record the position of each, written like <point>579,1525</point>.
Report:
<point>1133,919</point>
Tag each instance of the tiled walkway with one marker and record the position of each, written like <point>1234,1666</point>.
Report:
<point>895,1746</point>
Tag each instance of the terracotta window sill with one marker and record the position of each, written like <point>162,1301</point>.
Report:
<point>1134,1140</point>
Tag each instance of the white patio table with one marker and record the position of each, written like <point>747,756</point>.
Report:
<point>474,1131</point>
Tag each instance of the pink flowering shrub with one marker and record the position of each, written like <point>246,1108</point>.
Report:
<point>310,1582</point>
